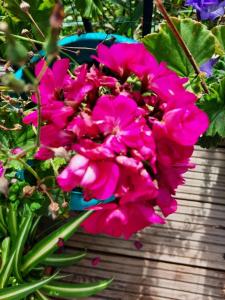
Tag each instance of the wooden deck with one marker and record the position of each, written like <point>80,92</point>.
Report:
<point>183,260</point>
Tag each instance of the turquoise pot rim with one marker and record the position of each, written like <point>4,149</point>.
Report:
<point>77,202</point>
<point>95,37</point>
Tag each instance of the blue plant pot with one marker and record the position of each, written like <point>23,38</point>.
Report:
<point>78,203</point>
<point>87,40</point>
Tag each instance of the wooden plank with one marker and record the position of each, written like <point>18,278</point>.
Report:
<point>162,251</point>
<point>203,192</point>
<point>206,162</point>
<point>181,194</point>
<point>215,178</point>
<point>205,170</point>
<point>135,275</point>
<point>184,235</point>
<point>205,184</point>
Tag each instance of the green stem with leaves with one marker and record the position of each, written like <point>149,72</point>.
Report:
<point>182,43</point>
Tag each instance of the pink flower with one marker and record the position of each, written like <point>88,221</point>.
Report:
<point>185,125</point>
<point>2,170</point>
<point>78,89</point>
<point>51,136</point>
<point>17,151</point>
<point>98,178</point>
<point>99,79</point>
<point>132,134</point>
<point>166,202</point>
<point>53,80</point>
<point>169,87</point>
<point>121,220</point>
<point>44,154</point>
<point>83,125</point>
<point>136,185</point>
<point>118,119</point>
<point>55,112</point>
<point>125,59</point>
<point>93,150</point>
<point>168,151</point>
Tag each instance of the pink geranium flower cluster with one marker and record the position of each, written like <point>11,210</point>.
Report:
<point>131,126</point>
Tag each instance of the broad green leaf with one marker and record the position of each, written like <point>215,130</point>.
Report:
<point>12,221</point>
<point>71,291</point>
<point>49,244</point>
<point>60,260</point>
<point>5,274</point>
<point>23,290</point>
<point>3,230</point>
<point>164,46</point>
<point>89,8</point>
<point>5,249</point>
<point>219,32</point>
<point>214,105</point>
<point>21,240</point>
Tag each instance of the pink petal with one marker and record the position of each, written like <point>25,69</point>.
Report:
<point>59,69</point>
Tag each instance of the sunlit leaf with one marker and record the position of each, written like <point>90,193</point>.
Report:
<point>164,46</point>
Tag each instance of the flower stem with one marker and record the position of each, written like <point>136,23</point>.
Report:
<point>28,168</point>
<point>182,43</point>
<point>23,38</point>
<point>35,24</point>
<point>39,118</point>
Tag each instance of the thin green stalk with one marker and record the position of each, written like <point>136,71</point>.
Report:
<point>39,118</point>
<point>35,24</point>
<point>28,168</point>
<point>23,38</point>
<point>182,43</point>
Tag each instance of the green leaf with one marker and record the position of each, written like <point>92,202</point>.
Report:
<point>5,249</point>
<point>59,260</point>
<point>164,46</point>
<point>66,290</point>
<point>12,221</point>
<point>5,274</point>
<point>214,105</point>
<point>89,8</point>
<point>219,32</point>
<point>23,290</point>
<point>16,52</point>
<point>41,296</point>
<point>49,244</point>
<point>19,246</point>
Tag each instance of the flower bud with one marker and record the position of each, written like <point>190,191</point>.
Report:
<point>4,186</point>
<point>24,6</point>
<point>4,27</point>
<point>64,204</point>
<point>25,31</point>
<point>53,209</point>
<point>28,191</point>
<point>61,152</point>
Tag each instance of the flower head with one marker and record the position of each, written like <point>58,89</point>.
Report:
<point>128,136</point>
